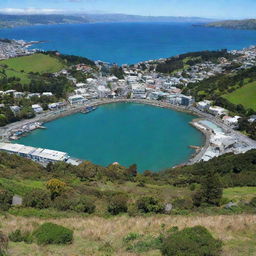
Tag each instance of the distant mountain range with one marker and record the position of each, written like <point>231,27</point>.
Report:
<point>234,24</point>
<point>138,18</point>
<point>26,20</point>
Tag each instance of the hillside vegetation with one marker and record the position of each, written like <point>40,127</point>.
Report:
<point>224,90</point>
<point>115,210</point>
<point>114,189</point>
<point>184,61</point>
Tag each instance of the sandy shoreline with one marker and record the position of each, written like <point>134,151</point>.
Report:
<point>70,110</point>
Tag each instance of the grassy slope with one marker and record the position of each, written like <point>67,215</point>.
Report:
<point>245,95</point>
<point>100,237</point>
<point>34,63</point>
<point>239,193</point>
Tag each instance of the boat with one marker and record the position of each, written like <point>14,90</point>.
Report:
<point>88,110</point>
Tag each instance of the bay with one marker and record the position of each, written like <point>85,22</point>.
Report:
<point>153,138</point>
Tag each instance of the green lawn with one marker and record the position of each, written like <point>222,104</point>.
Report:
<point>34,63</point>
<point>245,95</point>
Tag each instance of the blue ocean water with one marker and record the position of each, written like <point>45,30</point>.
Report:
<point>131,42</point>
<point>153,138</point>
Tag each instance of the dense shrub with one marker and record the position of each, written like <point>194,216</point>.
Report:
<point>18,236</point>
<point>118,204</point>
<point>56,187</point>
<point>49,233</point>
<point>3,244</point>
<point>183,203</point>
<point>5,199</point>
<point>196,241</point>
<point>63,203</point>
<point>149,204</point>
<point>83,204</point>
<point>37,198</point>
<point>74,202</point>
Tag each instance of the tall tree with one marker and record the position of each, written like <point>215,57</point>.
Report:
<point>211,190</point>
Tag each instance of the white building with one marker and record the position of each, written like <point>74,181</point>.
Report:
<point>103,91</point>
<point>30,95</point>
<point>37,108</point>
<point>79,85</point>
<point>138,91</point>
<point>36,154</point>
<point>15,109</point>
<point>217,111</point>
<point>18,95</point>
<point>203,105</point>
<point>49,94</point>
<point>231,121</point>
<point>76,99</point>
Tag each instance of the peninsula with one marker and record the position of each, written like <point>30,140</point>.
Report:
<point>248,24</point>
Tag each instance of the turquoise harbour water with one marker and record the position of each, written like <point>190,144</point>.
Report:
<point>131,42</point>
<point>153,138</point>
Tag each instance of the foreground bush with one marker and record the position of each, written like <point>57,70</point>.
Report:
<point>3,244</point>
<point>118,204</point>
<point>196,241</point>
<point>149,204</point>
<point>50,233</point>
<point>37,198</point>
<point>18,236</point>
<point>5,199</point>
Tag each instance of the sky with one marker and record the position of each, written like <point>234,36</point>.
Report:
<point>224,9</point>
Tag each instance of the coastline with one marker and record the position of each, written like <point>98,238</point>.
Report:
<point>204,153</point>
<point>53,115</point>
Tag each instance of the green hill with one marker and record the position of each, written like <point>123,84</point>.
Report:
<point>34,63</point>
<point>20,67</point>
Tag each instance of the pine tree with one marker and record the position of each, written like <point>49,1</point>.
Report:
<point>211,190</point>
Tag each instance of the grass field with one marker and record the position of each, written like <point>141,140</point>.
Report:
<point>245,95</point>
<point>34,63</point>
<point>95,236</point>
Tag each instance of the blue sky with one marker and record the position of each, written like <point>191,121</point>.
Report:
<point>199,8</point>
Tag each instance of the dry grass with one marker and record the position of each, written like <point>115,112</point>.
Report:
<point>238,233</point>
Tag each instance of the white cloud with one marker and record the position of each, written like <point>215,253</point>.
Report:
<point>30,11</point>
